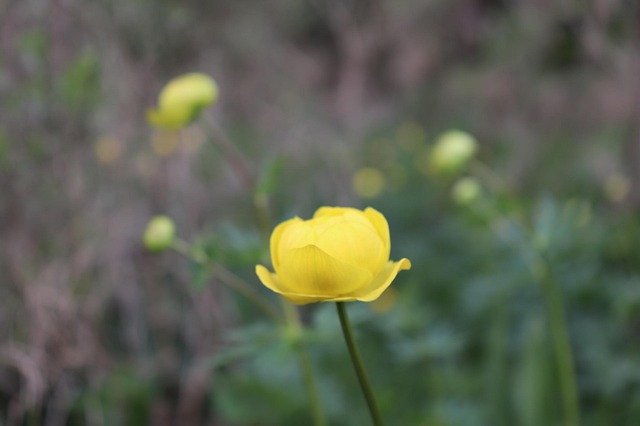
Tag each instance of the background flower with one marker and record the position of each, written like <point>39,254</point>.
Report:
<point>182,99</point>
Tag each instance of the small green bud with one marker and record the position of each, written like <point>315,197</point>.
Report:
<point>452,151</point>
<point>159,234</point>
<point>466,191</point>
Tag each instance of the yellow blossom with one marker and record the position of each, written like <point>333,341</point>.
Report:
<point>182,99</point>
<point>341,254</point>
<point>368,182</point>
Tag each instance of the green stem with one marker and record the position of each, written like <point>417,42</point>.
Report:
<point>236,158</point>
<point>304,361</point>
<point>227,278</point>
<point>358,365</point>
<point>562,347</point>
<point>243,170</point>
<point>492,180</point>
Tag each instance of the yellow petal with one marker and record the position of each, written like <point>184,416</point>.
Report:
<point>271,281</point>
<point>334,211</point>
<point>352,239</point>
<point>381,282</point>
<point>267,278</point>
<point>379,222</point>
<point>311,271</point>
<point>276,235</point>
<point>192,90</point>
<point>296,234</point>
<point>169,118</point>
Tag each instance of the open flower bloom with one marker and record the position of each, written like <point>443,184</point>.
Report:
<point>341,254</point>
<point>182,100</point>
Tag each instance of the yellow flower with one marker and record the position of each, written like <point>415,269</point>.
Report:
<point>368,182</point>
<point>452,151</point>
<point>182,100</point>
<point>341,254</point>
<point>159,234</point>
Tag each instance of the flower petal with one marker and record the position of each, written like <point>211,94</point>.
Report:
<point>276,235</point>
<point>379,222</point>
<point>297,234</point>
<point>271,281</point>
<point>380,282</point>
<point>352,239</point>
<point>334,211</point>
<point>311,271</point>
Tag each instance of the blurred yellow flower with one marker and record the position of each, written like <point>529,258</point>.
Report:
<point>182,99</point>
<point>341,254</point>
<point>164,143</point>
<point>617,187</point>
<point>368,182</point>
<point>159,234</point>
<point>452,151</point>
<point>466,191</point>
<point>108,150</point>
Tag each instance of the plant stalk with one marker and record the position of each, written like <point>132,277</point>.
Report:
<point>304,361</point>
<point>358,365</point>
<point>227,278</point>
<point>562,348</point>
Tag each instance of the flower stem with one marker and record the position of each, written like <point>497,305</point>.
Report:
<point>304,361</point>
<point>227,278</point>
<point>358,365</point>
<point>562,347</point>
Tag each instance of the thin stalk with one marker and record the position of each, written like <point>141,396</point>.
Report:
<point>244,172</point>
<point>238,162</point>
<point>358,365</point>
<point>562,348</point>
<point>228,278</point>
<point>484,172</point>
<point>304,361</point>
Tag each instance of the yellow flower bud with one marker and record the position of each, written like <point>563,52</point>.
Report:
<point>452,151</point>
<point>182,100</point>
<point>341,254</point>
<point>368,182</point>
<point>159,234</point>
<point>466,191</point>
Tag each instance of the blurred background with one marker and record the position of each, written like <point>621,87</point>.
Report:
<point>332,102</point>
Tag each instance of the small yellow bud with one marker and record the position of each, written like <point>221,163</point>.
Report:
<point>368,182</point>
<point>159,234</point>
<point>182,100</point>
<point>452,151</point>
<point>466,191</point>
